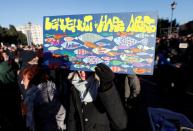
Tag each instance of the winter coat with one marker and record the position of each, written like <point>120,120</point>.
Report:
<point>128,86</point>
<point>100,115</point>
<point>10,111</point>
<point>44,110</point>
<point>7,74</point>
<point>132,86</point>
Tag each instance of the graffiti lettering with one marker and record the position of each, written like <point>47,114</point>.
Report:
<point>112,25</point>
<point>144,24</point>
<point>69,24</point>
<point>50,25</point>
<point>85,25</point>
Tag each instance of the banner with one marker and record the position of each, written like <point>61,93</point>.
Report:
<point>123,41</point>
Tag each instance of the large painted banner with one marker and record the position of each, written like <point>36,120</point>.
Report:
<point>123,41</point>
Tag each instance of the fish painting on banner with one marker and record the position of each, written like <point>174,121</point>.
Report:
<point>123,41</point>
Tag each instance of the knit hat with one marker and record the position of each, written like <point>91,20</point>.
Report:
<point>27,56</point>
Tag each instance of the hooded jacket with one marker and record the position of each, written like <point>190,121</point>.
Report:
<point>7,74</point>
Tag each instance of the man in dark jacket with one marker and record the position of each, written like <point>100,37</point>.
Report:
<point>10,112</point>
<point>94,103</point>
<point>129,88</point>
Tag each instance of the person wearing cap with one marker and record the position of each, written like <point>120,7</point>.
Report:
<point>94,102</point>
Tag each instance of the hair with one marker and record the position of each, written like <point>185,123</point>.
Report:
<point>35,75</point>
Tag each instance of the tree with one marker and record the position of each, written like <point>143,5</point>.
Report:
<point>11,35</point>
<point>163,26</point>
<point>1,32</point>
<point>187,28</point>
<point>22,39</point>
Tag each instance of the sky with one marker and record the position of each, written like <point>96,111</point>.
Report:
<point>20,12</point>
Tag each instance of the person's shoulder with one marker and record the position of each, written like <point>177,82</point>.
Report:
<point>4,67</point>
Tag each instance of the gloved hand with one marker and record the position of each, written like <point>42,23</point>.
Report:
<point>105,75</point>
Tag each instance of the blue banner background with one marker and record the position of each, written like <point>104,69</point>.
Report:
<point>124,51</point>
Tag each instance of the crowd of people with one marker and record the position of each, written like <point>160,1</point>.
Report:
<point>170,50</point>
<point>35,98</point>
<point>174,62</point>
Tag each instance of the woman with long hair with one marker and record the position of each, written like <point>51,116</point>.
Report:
<point>44,109</point>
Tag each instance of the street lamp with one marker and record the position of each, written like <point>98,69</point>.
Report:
<point>173,6</point>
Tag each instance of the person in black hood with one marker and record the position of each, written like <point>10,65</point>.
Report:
<point>27,56</point>
<point>94,102</point>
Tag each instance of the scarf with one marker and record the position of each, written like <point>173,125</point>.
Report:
<point>87,88</point>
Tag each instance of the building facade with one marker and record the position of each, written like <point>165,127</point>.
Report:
<point>33,32</point>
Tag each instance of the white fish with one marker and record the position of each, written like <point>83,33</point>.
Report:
<point>46,45</point>
<point>128,51</point>
<point>92,37</point>
<point>103,44</point>
<point>118,69</point>
<point>144,35</point>
<point>128,41</point>
<point>131,59</point>
<point>70,45</point>
<point>141,35</point>
<point>126,66</point>
<point>53,48</point>
<point>144,41</point>
<point>108,58</point>
<point>92,60</point>
<point>143,47</point>
<point>101,50</point>
<point>140,64</point>
<point>144,54</point>
<point>68,39</point>
<point>79,66</point>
